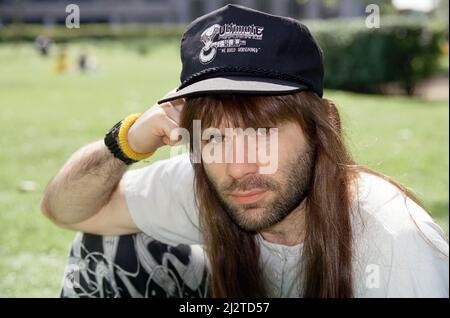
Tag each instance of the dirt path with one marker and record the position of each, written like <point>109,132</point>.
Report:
<point>435,88</point>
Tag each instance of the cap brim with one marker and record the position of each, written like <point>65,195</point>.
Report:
<point>238,85</point>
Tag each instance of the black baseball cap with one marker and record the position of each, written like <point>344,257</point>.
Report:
<point>236,49</point>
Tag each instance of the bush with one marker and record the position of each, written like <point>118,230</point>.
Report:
<point>403,50</point>
<point>59,33</point>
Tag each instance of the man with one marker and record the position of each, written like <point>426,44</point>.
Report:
<point>318,225</point>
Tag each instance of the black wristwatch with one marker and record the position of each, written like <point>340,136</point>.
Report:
<point>111,142</point>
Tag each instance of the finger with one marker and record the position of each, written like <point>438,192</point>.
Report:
<point>178,104</point>
<point>172,112</point>
<point>171,142</point>
<point>170,129</point>
<point>166,140</point>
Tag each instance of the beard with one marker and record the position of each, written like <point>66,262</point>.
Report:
<point>288,195</point>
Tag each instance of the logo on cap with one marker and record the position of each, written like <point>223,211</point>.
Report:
<point>232,39</point>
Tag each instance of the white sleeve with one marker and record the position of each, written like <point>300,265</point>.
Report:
<point>420,265</point>
<point>160,198</point>
<point>400,251</point>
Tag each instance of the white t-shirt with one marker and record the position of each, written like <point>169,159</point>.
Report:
<point>392,257</point>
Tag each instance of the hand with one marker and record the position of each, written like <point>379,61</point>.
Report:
<point>152,129</point>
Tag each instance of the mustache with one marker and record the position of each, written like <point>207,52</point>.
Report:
<point>249,183</point>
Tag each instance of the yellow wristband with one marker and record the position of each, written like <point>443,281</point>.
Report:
<point>123,141</point>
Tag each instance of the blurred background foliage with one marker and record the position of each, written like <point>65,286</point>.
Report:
<point>405,50</point>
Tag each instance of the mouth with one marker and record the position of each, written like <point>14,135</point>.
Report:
<point>248,197</point>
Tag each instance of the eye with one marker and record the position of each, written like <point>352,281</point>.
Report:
<point>264,131</point>
<point>215,139</point>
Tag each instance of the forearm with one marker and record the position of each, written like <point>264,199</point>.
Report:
<point>83,185</point>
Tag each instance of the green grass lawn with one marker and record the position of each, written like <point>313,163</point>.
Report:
<point>46,117</point>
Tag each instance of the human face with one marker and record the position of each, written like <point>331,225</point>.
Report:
<point>257,201</point>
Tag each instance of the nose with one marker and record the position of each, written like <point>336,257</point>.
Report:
<point>240,170</point>
<point>241,164</point>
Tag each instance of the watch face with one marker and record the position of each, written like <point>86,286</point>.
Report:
<point>115,130</point>
<point>113,145</point>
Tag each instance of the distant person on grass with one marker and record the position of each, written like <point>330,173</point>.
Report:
<point>319,225</point>
<point>62,63</point>
<point>43,44</point>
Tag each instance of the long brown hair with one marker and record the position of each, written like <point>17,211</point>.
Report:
<point>327,249</point>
